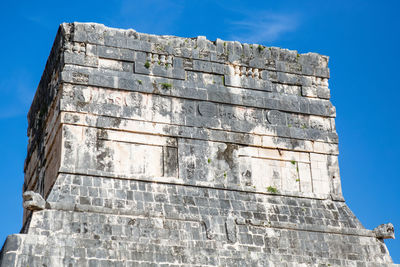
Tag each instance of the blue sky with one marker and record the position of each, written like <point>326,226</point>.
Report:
<point>361,37</point>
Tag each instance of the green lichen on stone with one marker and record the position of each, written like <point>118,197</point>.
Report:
<point>272,189</point>
<point>166,85</point>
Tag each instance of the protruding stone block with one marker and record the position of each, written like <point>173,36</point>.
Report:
<point>384,231</point>
<point>33,201</point>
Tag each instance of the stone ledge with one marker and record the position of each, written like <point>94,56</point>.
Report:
<point>10,258</point>
<point>216,93</point>
<point>68,207</point>
<point>255,55</point>
<point>202,133</point>
<point>198,184</point>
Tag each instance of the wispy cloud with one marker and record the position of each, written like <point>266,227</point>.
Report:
<point>263,27</point>
<point>16,95</point>
<point>41,21</point>
<point>152,16</point>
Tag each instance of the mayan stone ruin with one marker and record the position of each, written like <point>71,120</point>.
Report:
<point>150,150</point>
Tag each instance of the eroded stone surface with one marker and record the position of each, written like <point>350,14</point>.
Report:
<point>150,150</point>
<point>33,201</point>
<point>384,231</point>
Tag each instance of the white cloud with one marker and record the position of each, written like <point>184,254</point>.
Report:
<point>263,27</point>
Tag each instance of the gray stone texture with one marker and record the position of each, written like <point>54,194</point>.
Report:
<point>150,150</point>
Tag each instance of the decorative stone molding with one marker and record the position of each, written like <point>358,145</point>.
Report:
<point>245,71</point>
<point>384,231</point>
<point>75,47</point>
<point>160,59</point>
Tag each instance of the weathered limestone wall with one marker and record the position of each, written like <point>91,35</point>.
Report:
<point>159,150</point>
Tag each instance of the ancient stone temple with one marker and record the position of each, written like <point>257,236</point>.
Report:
<point>152,150</point>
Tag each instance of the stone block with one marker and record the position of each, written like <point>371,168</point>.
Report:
<point>33,201</point>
